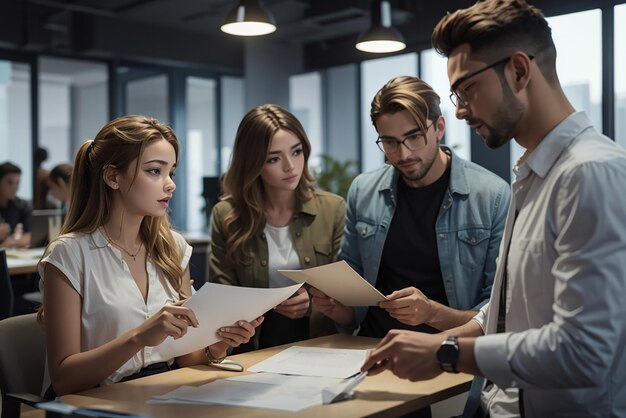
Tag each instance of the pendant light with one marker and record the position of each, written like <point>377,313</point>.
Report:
<point>380,37</point>
<point>248,18</point>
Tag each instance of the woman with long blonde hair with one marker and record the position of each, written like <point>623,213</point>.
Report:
<point>271,217</point>
<point>115,279</point>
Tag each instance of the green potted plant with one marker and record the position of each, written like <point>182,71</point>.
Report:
<point>335,176</point>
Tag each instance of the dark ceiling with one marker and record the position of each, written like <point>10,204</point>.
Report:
<point>186,32</point>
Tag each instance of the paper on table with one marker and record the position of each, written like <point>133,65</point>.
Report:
<point>339,281</point>
<point>249,394</point>
<point>263,390</point>
<point>343,390</point>
<point>314,361</point>
<point>216,305</point>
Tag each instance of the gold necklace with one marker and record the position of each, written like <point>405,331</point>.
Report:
<point>121,247</point>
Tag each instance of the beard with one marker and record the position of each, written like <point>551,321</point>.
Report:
<point>423,167</point>
<point>509,113</point>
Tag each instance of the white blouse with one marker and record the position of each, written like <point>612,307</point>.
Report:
<point>281,254</point>
<point>111,301</point>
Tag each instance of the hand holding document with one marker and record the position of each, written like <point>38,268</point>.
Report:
<point>339,281</point>
<point>216,306</point>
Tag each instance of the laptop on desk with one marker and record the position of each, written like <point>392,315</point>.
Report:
<point>45,225</point>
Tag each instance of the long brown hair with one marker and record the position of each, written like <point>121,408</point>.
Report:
<point>243,186</point>
<point>118,144</point>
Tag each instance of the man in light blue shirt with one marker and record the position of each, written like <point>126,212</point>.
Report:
<point>425,228</point>
<point>555,328</point>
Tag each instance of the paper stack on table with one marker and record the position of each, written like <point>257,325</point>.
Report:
<point>311,376</point>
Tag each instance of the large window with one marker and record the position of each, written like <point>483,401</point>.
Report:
<point>341,90</point>
<point>435,72</point>
<point>620,72</point>
<point>73,106</point>
<point>374,74</point>
<point>201,147</point>
<point>15,122</point>
<point>578,41</point>
<point>232,111</point>
<point>305,102</point>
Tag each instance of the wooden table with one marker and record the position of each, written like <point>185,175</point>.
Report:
<point>384,395</point>
<point>21,266</point>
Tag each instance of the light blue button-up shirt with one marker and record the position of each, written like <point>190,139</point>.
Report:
<point>469,228</point>
<point>565,344</point>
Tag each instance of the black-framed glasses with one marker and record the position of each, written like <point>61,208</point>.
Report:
<point>413,141</point>
<point>459,96</point>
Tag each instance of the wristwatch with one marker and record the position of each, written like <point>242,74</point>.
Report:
<point>448,355</point>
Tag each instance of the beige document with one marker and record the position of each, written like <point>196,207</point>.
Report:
<point>340,282</point>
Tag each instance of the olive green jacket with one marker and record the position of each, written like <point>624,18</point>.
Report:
<point>316,231</point>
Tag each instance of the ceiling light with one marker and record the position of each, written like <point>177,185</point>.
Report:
<point>380,37</point>
<point>248,18</point>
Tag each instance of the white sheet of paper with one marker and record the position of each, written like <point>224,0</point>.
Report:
<point>339,281</point>
<point>216,305</point>
<point>249,394</point>
<point>314,361</point>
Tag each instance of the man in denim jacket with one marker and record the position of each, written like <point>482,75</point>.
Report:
<point>424,229</point>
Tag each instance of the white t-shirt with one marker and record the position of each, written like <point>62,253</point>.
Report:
<point>281,255</point>
<point>111,301</point>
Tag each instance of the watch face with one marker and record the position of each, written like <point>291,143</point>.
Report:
<point>447,353</point>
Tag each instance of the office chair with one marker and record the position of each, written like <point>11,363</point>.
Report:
<point>6,289</point>
<point>22,361</point>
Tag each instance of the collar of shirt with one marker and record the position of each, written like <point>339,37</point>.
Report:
<point>541,160</point>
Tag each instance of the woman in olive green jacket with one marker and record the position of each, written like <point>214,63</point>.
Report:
<point>270,218</point>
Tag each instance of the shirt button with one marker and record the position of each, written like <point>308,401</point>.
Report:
<point>473,241</point>
<point>441,236</point>
<point>263,263</point>
<point>307,259</point>
<point>298,233</point>
<point>363,232</point>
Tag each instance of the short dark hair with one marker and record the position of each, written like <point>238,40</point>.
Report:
<point>9,168</point>
<point>494,28</point>
<point>61,171</point>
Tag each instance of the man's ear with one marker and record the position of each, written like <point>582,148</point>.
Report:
<point>440,123</point>
<point>111,177</point>
<point>521,63</point>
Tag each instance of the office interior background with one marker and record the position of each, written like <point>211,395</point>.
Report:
<point>69,66</point>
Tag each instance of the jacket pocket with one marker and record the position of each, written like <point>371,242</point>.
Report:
<point>366,237</point>
<point>473,246</point>
<point>323,253</point>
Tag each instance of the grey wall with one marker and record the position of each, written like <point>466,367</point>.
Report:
<point>267,69</point>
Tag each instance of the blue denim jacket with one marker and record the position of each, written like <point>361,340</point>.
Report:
<point>469,228</point>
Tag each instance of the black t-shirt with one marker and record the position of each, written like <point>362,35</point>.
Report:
<point>16,212</point>
<point>410,256</point>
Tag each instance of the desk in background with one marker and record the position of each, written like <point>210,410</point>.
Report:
<point>23,261</point>
<point>198,263</point>
<point>198,240</point>
<point>383,395</point>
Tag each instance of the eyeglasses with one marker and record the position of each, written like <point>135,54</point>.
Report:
<point>459,96</point>
<point>413,142</point>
